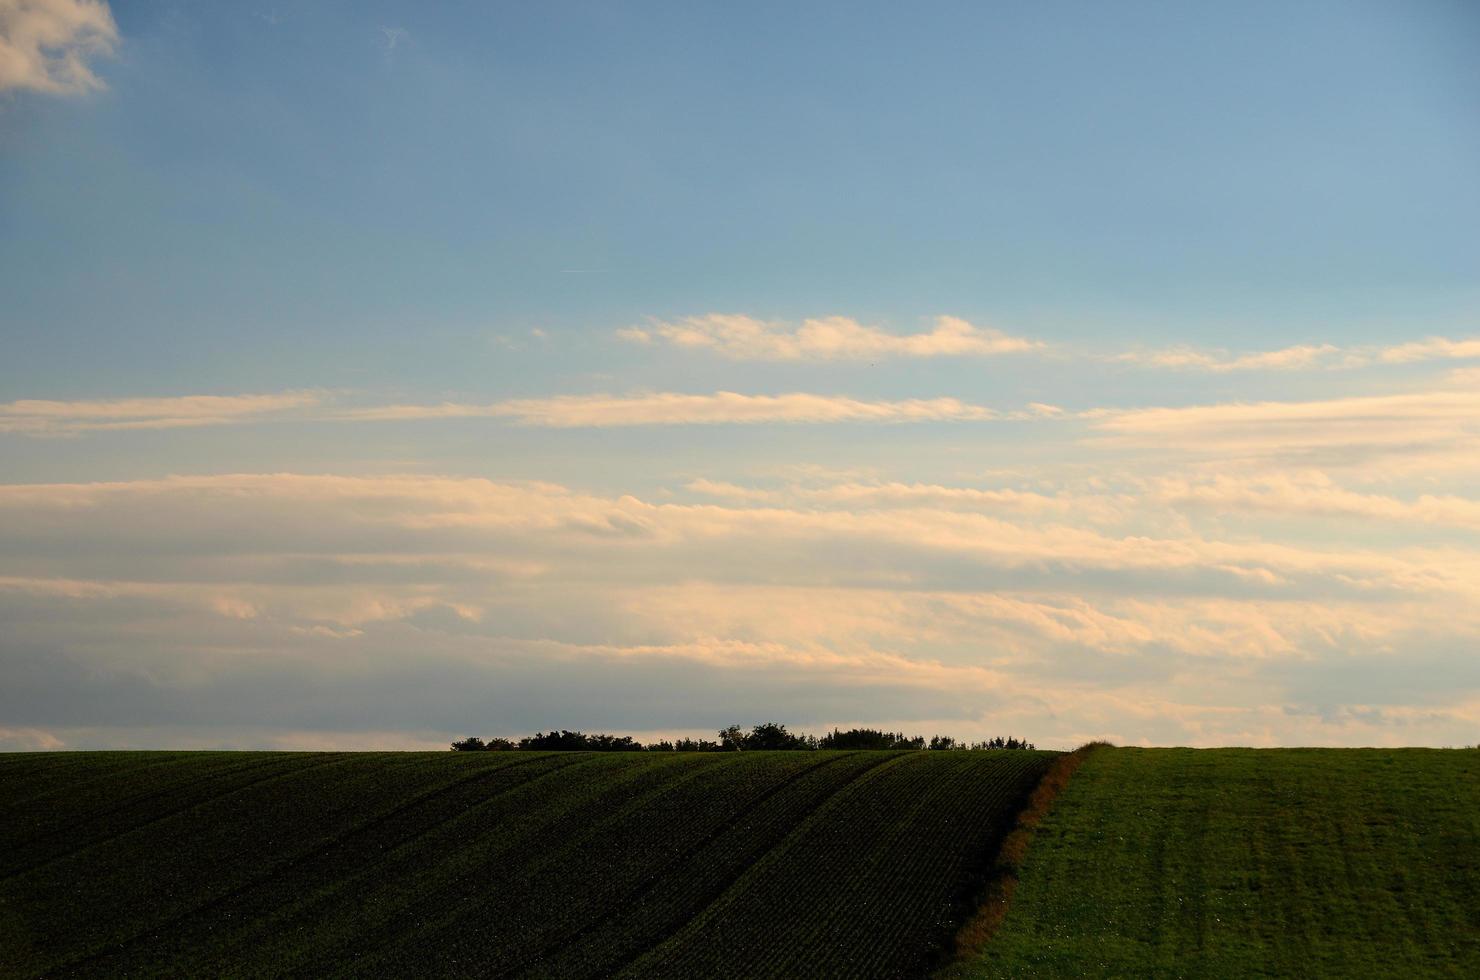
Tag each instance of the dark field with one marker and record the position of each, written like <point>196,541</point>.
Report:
<point>787,864</point>
<point>1238,863</point>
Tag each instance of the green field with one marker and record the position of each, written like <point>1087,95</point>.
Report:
<point>786,864</point>
<point>1237,863</point>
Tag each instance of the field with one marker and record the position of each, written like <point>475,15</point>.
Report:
<point>1235,862</point>
<point>496,864</point>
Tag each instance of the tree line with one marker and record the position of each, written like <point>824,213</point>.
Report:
<point>766,736</point>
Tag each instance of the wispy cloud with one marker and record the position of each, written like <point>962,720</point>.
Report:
<point>1099,508</point>
<point>671,408</point>
<point>47,45</point>
<point>1302,357</point>
<point>824,339</point>
<point>394,36</point>
<point>1190,358</point>
<point>42,417</point>
<point>1432,348</point>
<point>1443,419</point>
<point>1314,493</point>
<point>838,338</point>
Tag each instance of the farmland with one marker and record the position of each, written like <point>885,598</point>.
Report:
<point>1236,862</point>
<point>496,864</point>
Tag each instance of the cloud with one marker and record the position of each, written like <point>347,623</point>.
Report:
<point>278,603</point>
<point>393,37</point>
<point>895,494</point>
<point>47,45</point>
<point>732,491</point>
<point>28,740</point>
<point>401,515</point>
<point>1434,348</point>
<point>672,408</point>
<point>1219,361</point>
<point>934,495</point>
<point>742,337</point>
<point>40,417</point>
<point>1315,493</point>
<point>1436,424</point>
<point>1302,357</point>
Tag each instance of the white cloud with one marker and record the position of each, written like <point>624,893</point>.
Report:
<point>825,338</point>
<point>47,45</point>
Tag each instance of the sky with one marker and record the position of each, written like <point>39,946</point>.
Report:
<point>376,374</point>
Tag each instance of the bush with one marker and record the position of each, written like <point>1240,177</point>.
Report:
<point>871,738</point>
<point>773,736</point>
<point>568,741</point>
<point>769,736</point>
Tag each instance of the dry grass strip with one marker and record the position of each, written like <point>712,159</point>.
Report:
<point>997,895</point>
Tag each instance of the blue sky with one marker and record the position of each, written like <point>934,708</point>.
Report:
<point>1121,350</point>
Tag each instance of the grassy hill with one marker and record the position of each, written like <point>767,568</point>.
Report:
<point>496,864</point>
<point>1236,863</point>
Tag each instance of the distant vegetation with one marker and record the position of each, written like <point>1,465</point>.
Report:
<point>1244,862</point>
<point>527,864</point>
<point>768,736</point>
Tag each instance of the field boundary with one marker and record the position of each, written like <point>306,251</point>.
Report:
<point>1002,879</point>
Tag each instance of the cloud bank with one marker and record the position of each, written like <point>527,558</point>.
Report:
<point>363,604</point>
<point>1255,572</point>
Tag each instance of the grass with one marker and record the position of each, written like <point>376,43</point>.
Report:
<point>1239,862</point>
<point>496,864</point>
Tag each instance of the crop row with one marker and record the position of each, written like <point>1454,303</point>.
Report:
<point>268,900</point>
<point>158,871</point>
<point>561,885</point>
<point>686,886</point>
<point>494,864</point>
<point>869,884</point>
<point>394,895</point>
<point>103,802</point>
